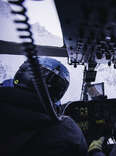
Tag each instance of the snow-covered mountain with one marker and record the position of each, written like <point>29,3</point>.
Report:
<point>43,37</point>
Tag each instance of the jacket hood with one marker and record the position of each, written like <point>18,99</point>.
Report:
<point>21,117</point>
<point>22,107</point>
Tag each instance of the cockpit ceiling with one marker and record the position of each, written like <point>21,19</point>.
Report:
<point>89,29</point>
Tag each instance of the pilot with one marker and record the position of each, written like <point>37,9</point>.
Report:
<point>31,131</point>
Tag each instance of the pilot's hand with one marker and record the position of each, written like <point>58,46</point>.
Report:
<point>96,144</point>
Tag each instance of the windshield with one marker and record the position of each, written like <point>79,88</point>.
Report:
<point>9,64</point>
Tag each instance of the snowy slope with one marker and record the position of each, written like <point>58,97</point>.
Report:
<point>43,37</point>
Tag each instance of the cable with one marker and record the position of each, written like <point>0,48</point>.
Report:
<point>31,54</point>
<point>83,90</point>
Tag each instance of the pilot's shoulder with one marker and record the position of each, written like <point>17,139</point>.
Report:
<point>71,125</point>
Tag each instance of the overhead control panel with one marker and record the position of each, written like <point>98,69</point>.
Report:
<point>89,30</point>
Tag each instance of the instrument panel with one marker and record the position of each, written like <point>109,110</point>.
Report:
<point>95,118</point>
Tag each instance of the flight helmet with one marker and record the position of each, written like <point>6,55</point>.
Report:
<point>52,71</point>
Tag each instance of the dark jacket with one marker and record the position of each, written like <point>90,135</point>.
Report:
<point>25,129</point>
<point>113,151</point>
<point>96,153</point>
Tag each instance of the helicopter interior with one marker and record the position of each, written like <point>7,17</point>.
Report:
<point>89,35</point>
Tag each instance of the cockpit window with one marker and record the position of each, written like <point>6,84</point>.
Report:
<point>107,75</point>
<point>9,64</point>
<point>43,19</point>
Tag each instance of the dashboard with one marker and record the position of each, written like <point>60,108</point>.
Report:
<point>95,118</point>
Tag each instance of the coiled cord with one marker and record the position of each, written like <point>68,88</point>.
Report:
<point>31,54</point>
